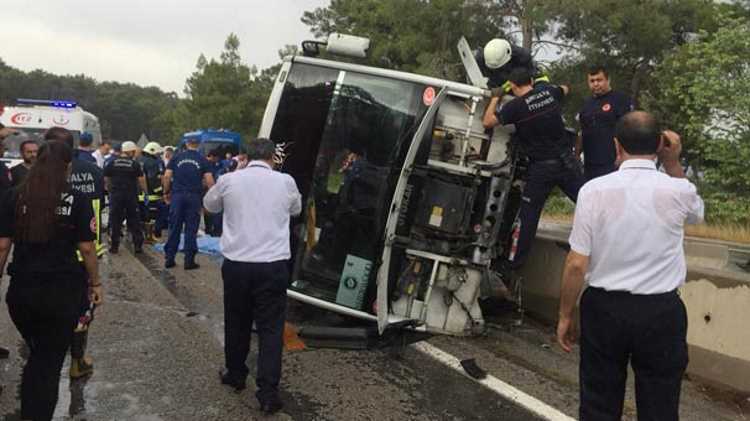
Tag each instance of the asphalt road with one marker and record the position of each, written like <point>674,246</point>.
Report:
<point>157,346</point>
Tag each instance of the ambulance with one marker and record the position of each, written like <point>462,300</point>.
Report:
<point>30,118</point>
<point>408,202</point>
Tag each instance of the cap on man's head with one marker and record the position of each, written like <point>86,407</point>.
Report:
<point>86,139</point>
<point>192,140</point>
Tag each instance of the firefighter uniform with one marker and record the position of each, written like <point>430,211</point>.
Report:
<point>124,173</point>
<point>153,211</point>
<point>541,132</point>
<point>598,118</point>
<point>188,169</point>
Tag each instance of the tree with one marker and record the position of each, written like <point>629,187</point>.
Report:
<point>124,110</point>
<point>701,91</point>
<point>219,92</point>
<point>630,37</point>
<point>421,36</point>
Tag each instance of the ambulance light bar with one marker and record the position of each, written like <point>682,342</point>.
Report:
<point>47,102</point>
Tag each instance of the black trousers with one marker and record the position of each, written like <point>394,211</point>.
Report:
<point>542,178</point>
<point>44,312</point>
<point>255,292</point>
<point>125,207</point>
<point>650,332</point>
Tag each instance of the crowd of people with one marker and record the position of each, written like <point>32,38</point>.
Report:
<point>55,287</point>
<point>626,241</point>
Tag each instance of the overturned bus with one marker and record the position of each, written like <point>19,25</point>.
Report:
<point>408,202</point>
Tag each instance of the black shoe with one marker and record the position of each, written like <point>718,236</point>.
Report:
<point>4,353</point>
<point>114,250</point>
<point>237,384</point>
<point>169,264</point>
<point>191,266</point>
<point>270,408</point>
<point>138,249</point>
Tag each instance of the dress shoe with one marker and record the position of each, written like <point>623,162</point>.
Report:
<point>191,266</point>
<point>169,264</point>
<point>228,380</point>
<point>114,250</point>
<point>138,249</point>
<point>4,353</point>
<point>272,407</point>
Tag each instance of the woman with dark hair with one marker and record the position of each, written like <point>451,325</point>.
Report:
<point>47,223</point>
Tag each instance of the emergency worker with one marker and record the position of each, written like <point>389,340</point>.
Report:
<point>29,149</point>
<point>186,174</point>
<point>46,222</point>
<point>497,60</point>
<point>536,113</point>
<point>124,177</point>
<point>598,118</point>
<point>86,179</point>
<point>151,204</point>
<point>85,149</point>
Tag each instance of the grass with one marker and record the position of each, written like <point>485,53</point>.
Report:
<point>735,233</point>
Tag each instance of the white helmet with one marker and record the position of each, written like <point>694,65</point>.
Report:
<point>129,146</point>
<point>153,148</point>
<point>497,53</point>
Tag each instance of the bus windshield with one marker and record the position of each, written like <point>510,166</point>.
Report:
<point>345,134</point>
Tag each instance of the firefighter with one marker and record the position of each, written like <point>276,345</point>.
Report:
<point>536,114</point>
<point>87,179</point>
<point>124,177</point>
<point>151,204</point>
<point>498,58</point>
<point>598,117</point>
<point>186,174</point>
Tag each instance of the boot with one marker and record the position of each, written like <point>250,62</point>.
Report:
<point>149,237</point>
<point>190,263</point>
<point>80,367</point>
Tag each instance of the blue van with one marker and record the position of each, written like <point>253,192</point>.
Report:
<point>212,139</point>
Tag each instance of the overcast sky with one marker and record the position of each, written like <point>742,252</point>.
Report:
<point>148,42</point>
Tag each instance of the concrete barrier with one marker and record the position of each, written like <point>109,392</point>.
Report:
<point>716,294</point>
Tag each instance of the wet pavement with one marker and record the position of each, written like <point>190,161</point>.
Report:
<point>157,347</point>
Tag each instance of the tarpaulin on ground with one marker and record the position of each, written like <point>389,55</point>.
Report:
<point>206,245</point>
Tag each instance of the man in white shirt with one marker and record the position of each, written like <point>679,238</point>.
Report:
<point>257,203</point>
<point>100,154</point>
<point>627,243</point>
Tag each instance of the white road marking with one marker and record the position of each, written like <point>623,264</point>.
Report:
<point>496,385</point>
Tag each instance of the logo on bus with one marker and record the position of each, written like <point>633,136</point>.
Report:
<point>428,97</point>
<point>61,120</point>
<point>20,118</point>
